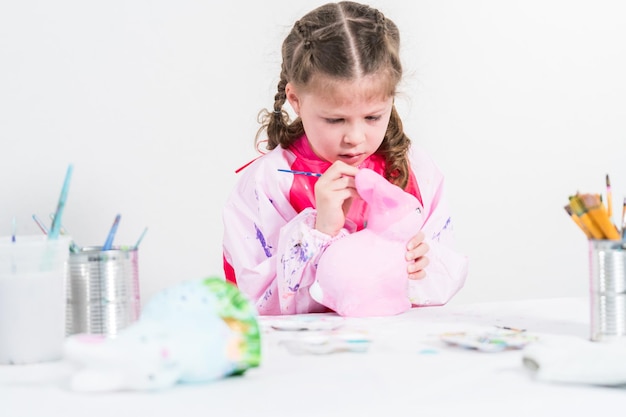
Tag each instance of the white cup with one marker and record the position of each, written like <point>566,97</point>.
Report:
<point>33,272</point>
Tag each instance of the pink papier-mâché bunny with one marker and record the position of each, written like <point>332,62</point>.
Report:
<point>365,273</point>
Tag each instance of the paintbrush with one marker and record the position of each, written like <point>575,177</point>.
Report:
<point>109,242</point>
<point>56,223</point>
<point>310,174</point>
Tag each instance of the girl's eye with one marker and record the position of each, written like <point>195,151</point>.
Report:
<point>368,118</point>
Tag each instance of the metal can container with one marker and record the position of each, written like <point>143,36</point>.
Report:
<point>102,291</point>
<point>607,271</point>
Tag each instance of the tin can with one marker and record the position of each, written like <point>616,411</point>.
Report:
<point>103,294</point>
<point>607,271</point>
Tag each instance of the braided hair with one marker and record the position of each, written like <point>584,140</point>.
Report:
<point>340,41</point>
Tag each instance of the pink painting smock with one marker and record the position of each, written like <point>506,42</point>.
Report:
<point>271,247</point>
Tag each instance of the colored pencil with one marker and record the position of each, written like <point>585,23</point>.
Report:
<point>598,213</point>
<point>581,211</point>
<point>609,197</point>
<point>624,220</point>
<point>568,209</point>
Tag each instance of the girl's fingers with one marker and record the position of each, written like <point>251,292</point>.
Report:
<point>418,275</point>
<point>418,251</point>
<point>415,240</point>
<point>340,169</point>
<point>416,269</point>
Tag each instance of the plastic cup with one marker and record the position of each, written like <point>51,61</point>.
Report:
<point>33,272</point>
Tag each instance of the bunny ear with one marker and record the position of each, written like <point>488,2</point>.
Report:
<point>377,191</point>
<point>366,182</point>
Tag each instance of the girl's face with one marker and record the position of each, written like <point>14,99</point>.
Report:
<point>346,121</point>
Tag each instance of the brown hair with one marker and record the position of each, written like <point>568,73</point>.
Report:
<point>341,41</point>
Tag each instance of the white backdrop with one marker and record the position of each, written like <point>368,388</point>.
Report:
<point>521,103</point>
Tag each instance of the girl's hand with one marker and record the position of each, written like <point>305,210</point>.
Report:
<point>334,193</point>
<point>416,251</point>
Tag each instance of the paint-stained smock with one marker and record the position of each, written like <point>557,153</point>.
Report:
<point>271,247</point>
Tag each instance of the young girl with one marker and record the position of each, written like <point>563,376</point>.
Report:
<point>339,74</point>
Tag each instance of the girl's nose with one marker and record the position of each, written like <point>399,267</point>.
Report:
<point>354,135</point>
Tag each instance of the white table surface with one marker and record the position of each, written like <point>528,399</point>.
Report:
<point>407,370</point>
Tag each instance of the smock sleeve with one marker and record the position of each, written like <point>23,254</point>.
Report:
<point>447,268</point>
<point>272,250</point>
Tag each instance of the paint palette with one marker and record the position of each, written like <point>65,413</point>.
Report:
<point>328,342</point>
<point>306,322</point>
<point>496,340</point>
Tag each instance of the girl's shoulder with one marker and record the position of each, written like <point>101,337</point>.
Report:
<point>268,163</point>
<point>422,163</point>
<point>262,176</point>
